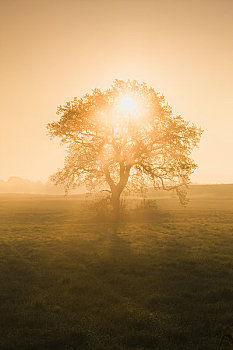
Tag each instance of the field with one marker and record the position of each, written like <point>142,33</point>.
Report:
<point>159,281</point>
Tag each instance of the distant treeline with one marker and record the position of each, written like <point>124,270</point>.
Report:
<point>17,184</point>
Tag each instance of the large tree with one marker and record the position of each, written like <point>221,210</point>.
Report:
<point>124,137</point>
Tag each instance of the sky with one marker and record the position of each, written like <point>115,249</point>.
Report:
<point>54,50</point>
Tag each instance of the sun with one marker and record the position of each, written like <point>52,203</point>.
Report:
<point>128,108</point>
<point>128,104</point>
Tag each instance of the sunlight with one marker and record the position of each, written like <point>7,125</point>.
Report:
<point>127,104</point>
<point>128,107</point>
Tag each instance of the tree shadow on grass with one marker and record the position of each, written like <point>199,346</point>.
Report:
<point>113,286</point>
<point>180,298</point>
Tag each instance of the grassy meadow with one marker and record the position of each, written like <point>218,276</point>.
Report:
<point>159,281</point>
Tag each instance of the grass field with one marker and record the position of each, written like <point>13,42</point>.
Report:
<point>68,281</point>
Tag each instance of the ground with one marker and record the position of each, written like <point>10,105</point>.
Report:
<point>72,281</point>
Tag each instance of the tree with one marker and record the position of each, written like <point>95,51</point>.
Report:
<point>125,137</point>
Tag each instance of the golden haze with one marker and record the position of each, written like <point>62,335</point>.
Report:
<point>53,50</point>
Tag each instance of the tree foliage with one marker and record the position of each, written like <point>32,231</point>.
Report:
<point>124,149</point>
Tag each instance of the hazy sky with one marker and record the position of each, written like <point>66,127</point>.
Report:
<point>54,50</point>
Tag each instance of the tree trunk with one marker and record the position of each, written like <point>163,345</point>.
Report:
<point>115,202</point>
<point>116,190</point>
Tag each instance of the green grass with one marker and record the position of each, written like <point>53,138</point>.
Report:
<point>68,281</point>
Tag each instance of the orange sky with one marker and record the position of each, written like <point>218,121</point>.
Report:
<point>53,50</point>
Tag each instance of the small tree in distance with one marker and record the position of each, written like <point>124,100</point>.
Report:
<point>124,137</point>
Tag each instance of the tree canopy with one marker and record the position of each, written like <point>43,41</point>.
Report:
<point>125,137</point>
